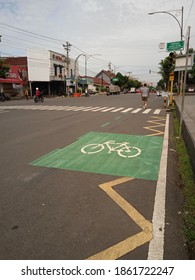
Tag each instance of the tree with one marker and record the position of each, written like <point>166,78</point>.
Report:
<point>161,85</point>
<point>167,66</point>
<point>125,83</point>
<point>4,69</point>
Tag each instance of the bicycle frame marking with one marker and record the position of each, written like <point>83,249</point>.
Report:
<point>121,148</point>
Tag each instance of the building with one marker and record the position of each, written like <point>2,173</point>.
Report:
<point>52,72</point>
<point>17,78</point>
<point>92,84</point>
<point>106,76</point>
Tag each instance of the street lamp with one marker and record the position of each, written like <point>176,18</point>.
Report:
<point>75,76</point>
<point>181,34</point>
<point>180,23</point>
<point>86,59</point>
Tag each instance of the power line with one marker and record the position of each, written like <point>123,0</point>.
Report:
<point>189,13</point>
<point>31,33</point>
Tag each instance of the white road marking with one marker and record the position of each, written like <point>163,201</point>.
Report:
<point>87,109</point>
<point>99,109</point>
<point>126,110</point>
<point>156,245</point>
<point>81,108</point>
<point>109,109</point>
<point>118,109</point>
<point>146,111</point>
<point>136,111</point>
<point>157,112</point>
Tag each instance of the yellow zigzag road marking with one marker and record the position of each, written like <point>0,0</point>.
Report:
<point>157,124</point>
<point>116,251</point>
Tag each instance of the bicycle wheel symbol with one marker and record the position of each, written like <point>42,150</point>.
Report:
<point>130,152</point>
<point>92,148</point>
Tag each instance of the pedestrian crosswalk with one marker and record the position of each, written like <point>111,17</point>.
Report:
<point>122,110</point>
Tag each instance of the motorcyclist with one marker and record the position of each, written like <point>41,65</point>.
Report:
<point>38,93</point>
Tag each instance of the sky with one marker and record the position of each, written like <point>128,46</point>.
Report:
<point>111,32</point>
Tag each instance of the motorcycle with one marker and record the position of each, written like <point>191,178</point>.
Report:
<point>4,97</point>
<point>38,99</point>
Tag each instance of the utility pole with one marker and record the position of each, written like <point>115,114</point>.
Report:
<point>67,49</point>
<point>109,66</point>
<point>0,42</point>
<point>185,76</point>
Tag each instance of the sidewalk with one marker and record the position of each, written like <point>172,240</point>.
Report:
<point>188,127</point>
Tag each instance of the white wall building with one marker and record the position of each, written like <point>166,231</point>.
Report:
<point>51,67</point>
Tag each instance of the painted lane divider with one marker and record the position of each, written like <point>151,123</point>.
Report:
<point>131,243</point>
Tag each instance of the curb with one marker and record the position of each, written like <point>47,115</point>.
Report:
<point>188,138</point>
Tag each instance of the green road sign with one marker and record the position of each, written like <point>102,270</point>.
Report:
<point>175,46</point>
<point>114,79</point>
<point>107,153</point>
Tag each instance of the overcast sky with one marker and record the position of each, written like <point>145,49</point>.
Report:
<point>121,31</point>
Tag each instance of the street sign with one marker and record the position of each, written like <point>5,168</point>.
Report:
<point>171,76</point>
<point>180,62</point>
<point>175,46</point>
<point>162,46</point>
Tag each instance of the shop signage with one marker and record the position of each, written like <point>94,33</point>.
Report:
<point>16,75</point>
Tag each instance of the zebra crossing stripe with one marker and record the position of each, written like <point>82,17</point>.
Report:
<point>157,111</point>
<point>109,109</point>
<point>118,109</point>
<point>146,111</point>
<point>127,110</point>
<point>87,109</point>
<point>81,108</point>
<point>94,108</point>
<point>98,109</point>
<point>136,111</point>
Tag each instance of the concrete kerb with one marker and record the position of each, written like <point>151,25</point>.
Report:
<point>188,128</point>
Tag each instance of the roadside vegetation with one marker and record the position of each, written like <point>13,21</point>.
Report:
<point>4,69</point>
<point>187,183</point>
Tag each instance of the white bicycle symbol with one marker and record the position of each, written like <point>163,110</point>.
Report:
<point>123,149</point>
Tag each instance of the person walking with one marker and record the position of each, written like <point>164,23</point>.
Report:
<point>145,95</point>
<point>26,94</point>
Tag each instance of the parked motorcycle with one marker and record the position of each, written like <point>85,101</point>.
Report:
<point>4,97</point>
<point>38,99</point>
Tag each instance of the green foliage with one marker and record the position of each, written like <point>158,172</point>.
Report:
<point>161,85</point>
<point>125,83</point>
<point>167,66</point>
<point>188,184</point>
<point>4,69</point>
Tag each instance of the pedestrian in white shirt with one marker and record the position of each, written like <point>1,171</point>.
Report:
<point>145,95</point>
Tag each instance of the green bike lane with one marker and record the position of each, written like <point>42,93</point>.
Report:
<point>145,165</point>
<point>138,190</point>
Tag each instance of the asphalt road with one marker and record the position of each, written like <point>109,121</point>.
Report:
<point>57,202</point>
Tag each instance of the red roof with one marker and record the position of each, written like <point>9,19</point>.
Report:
<point>97,81</point>
<point>19,61</point>
<point>108,73</point>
